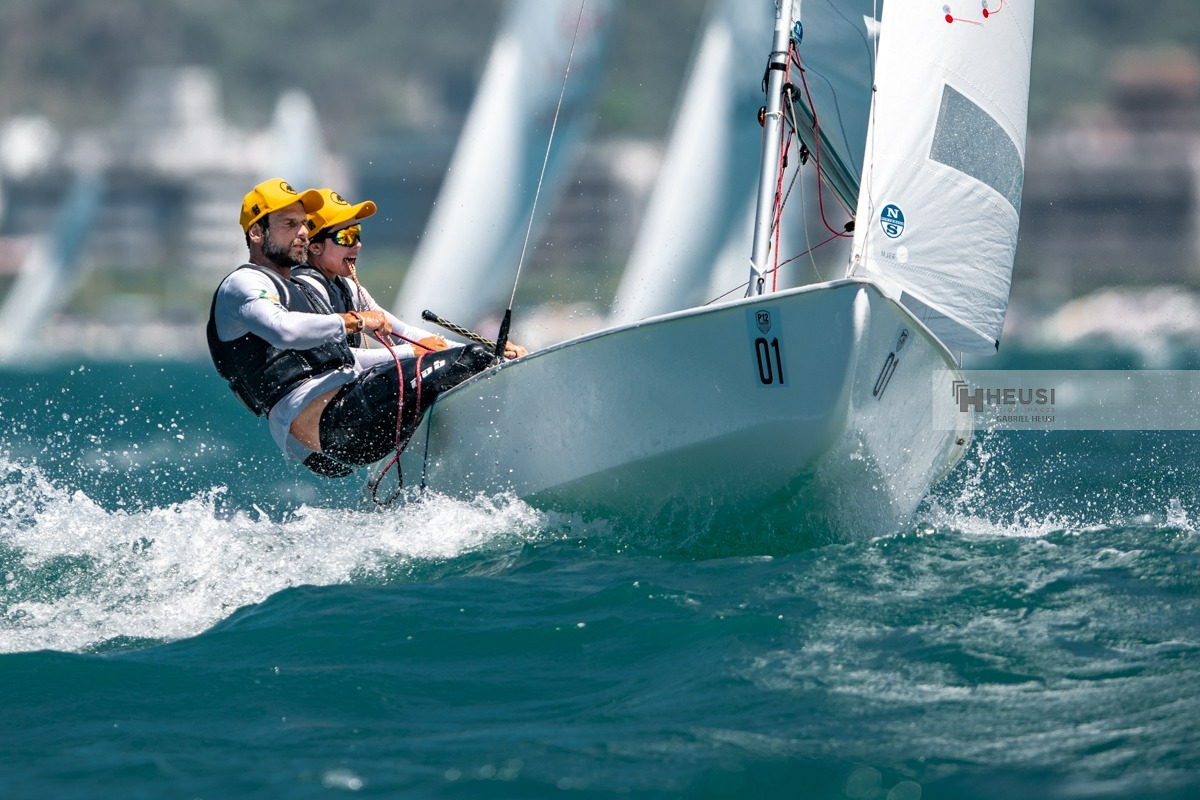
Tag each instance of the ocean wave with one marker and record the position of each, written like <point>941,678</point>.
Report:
<point>76,575</point>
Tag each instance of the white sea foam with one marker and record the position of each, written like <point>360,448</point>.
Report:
<point>971,508</point>
<point>76,575</point>
<point>993,499</point>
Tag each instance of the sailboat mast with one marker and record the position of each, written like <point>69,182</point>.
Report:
<point>772,138</point>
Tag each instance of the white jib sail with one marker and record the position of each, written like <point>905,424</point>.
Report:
<point>466,261</point>
<point>945,163</point>
<point>707,178</point>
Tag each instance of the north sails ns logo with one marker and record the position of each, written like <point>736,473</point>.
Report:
<point>892,221</point>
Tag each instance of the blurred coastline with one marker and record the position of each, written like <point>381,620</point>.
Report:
<point>1109,251</point>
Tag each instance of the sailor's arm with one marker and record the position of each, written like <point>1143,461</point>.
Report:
<point>246,303</point>
<point>366,321</point>
<point>412,333</point>
<point>368,305</point>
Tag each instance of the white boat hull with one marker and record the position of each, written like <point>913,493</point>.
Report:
<point>684,420</point>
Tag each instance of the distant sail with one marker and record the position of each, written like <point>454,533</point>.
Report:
<point>699,202</point>
<point>941,195</point>
<point>466,261</point>
<point>52,269</point>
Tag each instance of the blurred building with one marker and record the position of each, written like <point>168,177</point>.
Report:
<point>173,171</point>
<point>1113,197</point>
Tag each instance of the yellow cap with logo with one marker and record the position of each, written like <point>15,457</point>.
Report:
<point>272,195</point>
<point>335,210</point>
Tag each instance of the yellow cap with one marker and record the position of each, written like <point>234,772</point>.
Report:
<point>272,195</point>
<point>335,210</point>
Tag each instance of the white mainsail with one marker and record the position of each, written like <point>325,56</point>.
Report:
<point>699,201</point>
<point>468,254</point>
<point>945,159</point>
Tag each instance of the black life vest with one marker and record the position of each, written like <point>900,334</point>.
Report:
<point>338,294</point>
<point>261,374</point>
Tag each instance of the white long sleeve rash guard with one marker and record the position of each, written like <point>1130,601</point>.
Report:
<point>246,302</point>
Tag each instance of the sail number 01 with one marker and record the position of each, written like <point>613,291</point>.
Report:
<point>770,361</point>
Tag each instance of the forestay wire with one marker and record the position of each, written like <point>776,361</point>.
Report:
<point>546,159</point>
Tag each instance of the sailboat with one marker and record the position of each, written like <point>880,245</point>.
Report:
<point>54,267</point>
<point>474,232</point>
<point>809,409</point>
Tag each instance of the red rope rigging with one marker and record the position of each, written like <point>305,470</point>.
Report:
<point>816,148</point>
<point>401,439</point>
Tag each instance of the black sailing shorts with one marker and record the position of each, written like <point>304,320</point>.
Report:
<point>358,426</point>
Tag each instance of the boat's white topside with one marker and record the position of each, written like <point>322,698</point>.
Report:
<point>676,411</point>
